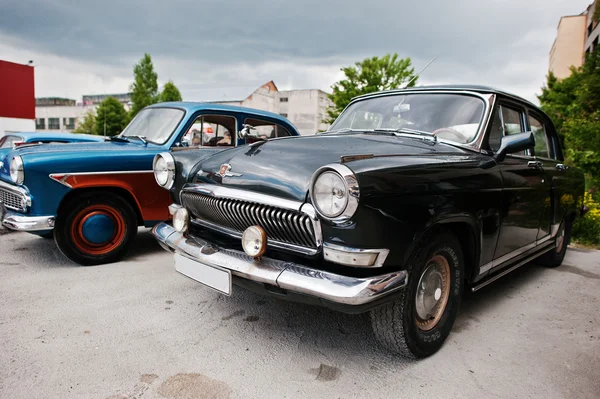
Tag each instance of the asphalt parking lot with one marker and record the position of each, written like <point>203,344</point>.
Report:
<point>137,329</point>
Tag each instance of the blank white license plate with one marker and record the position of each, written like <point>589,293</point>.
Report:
<point>213,277</point>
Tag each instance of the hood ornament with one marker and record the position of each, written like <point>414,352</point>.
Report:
<point>224,171</point>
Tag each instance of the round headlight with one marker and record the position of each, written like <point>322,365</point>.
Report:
<point>334,192</point>
<point>164,169</point>
<point>17,173</point>
<point>330,194</point>
<point>254,241</point>
<point>181,219</point>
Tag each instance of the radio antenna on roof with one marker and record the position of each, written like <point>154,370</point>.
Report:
<point>419,74</point>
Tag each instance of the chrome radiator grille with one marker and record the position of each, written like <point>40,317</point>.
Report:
<point>282,225</point>
<point>11,200</point>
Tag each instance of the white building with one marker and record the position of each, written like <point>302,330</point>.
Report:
<point>63,114</point>
<point>306,109</point>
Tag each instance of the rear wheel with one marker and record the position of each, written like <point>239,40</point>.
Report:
<point>555,257</point>
<point>95,228</point>
<point>418,322</point>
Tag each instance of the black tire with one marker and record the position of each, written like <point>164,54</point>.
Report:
<point>72,242</point>
<point>396,324</point>
<point>555,257</point>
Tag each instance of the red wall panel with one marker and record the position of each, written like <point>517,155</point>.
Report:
<point>17,93</point>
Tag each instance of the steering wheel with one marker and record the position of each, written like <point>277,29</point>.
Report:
<point>461,138</point>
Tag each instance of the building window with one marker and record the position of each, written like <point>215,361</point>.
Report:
<point>69,123</point>
<point>53,123</point>
<point>283,100</point>
<point>284,115</point>
<point>40,124</point>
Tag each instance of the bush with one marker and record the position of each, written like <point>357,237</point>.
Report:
<point>586,230</point>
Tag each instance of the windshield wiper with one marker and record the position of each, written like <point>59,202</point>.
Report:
<point>404,130</point>
<point>141,138</point>
<point>117,138</point>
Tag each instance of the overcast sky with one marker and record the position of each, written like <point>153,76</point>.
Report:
<point>223,49</point>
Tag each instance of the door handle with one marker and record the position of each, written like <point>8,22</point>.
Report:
<point>561,167</point>
<point>535,164</point>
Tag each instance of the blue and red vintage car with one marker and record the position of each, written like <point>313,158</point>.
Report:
<point>12,140</point>
<point>91,197</point>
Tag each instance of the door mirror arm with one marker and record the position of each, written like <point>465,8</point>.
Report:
<point>514,143</point>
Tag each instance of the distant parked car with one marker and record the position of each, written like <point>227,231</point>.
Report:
<point>13,140</point>
<point>411,196</point>
<point>93,196</point>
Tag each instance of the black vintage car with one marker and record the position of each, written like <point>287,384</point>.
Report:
<point>410,197</point>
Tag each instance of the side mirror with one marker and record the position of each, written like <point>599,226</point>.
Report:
<point>514,143</point>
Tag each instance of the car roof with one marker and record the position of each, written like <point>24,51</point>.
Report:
<point>53,136</point>
<point>454,87</point>
<point>199,106</point>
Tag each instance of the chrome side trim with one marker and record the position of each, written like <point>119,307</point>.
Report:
<point>379,261</point>
<point>289,276</point>
<point>505,258</point>
<point>18,222</point>
<point>62,177</point>
<point>270,242</point>
<point>516,266</point>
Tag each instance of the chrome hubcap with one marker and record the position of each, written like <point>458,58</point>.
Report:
<point>432,292</point>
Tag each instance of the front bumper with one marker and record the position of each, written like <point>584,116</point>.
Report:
<point>15,221</point>
<point>287,276</point>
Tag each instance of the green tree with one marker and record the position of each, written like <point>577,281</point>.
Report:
<point>88,125</point>
<point>368,76</point>
<point>170,92</point>
<point>110,115</point>
<point>144,89</point>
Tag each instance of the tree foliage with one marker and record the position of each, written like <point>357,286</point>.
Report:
<point>368,76</point>
<point>170,92</point>
<point>112,114</point>
<point>574,105</point>
<point>88,125</point>
<point>144,89</point>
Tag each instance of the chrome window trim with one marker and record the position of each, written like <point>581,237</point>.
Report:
<point>352,188</point>
<point>263,199</point>
<point>382,253</point>
<point>200,147</point>
<point>19,191</point>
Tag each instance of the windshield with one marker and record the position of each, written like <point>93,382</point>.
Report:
<point>154,124</point>
<point>453,117</point>
<point>8,141</point>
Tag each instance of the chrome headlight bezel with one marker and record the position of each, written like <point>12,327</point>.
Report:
<point>17,171</point>
<point>352,192</point>
<point>169,169</point>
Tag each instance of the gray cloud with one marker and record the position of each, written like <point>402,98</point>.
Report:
<point>220,43</point>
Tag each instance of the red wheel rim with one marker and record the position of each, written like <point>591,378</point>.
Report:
<point>85,245</point>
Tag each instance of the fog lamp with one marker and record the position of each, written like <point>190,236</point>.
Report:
<point>254,241</point>
<point>181,219</point>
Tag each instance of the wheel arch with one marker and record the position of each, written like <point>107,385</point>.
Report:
<point>120,191</point>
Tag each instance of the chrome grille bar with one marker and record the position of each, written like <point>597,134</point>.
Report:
<point>11,200</point>
<point>291,228</point>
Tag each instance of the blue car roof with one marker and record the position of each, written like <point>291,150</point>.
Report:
<point>199,106</point>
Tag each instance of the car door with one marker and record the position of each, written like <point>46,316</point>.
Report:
<point>547,154</point>
<point>524,185</point>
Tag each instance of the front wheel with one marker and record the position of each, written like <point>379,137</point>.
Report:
<point>418,322</point>
<point>95,228</point>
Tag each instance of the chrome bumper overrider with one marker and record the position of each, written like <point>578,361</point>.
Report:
<point>15,221</point>
<point>289,276</point>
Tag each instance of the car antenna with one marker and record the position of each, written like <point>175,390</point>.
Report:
<point>419,74</point>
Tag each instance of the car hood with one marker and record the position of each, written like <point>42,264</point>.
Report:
<point>79,157</point>
<point>284,167</point>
